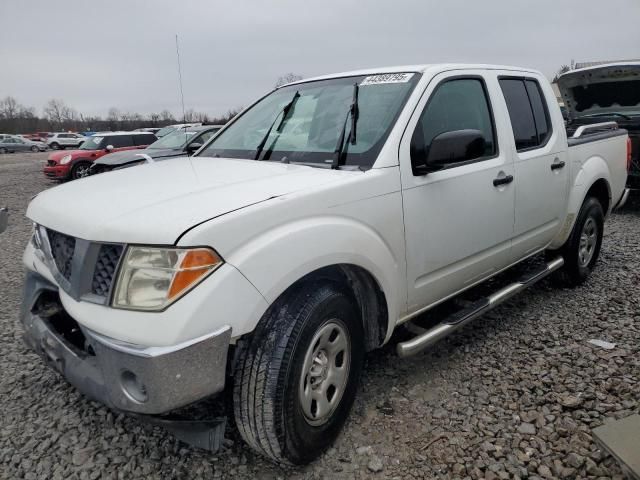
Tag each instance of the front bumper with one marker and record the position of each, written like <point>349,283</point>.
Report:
<point>123,376</point>
<point>57,171</point>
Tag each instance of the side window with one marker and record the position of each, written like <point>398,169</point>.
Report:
<point>458,104</point>
<point>527,111</point>
<point>143,140</point>
<point>204,138</point>
<point>120,141</point>
<point>540,111</point>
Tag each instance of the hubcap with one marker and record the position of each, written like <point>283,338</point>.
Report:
<point>82,171</point>
<point>588,241</point>
<point>325,372</point>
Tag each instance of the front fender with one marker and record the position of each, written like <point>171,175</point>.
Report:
<point>277,258</point>
<point>588,173</point>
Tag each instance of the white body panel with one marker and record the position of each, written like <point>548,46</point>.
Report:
<point>422,238</point>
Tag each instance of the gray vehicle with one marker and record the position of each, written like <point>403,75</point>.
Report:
<point>16,144</point>
<point>184,141</point>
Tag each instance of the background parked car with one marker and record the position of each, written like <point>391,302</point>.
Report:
<point>76,163</point>
<point>153,130</point>
<point>17,144</point>
<point>170,128</point>
<point>64,140</point>
<point>180,142</point>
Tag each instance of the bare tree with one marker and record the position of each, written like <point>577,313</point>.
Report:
<point>287,78</point>
<point>9,108</point>
<point>167,116</point>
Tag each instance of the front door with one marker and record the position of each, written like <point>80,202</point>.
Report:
<point>458,220</point>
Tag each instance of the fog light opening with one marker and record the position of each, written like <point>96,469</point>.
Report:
<point>132,387</point>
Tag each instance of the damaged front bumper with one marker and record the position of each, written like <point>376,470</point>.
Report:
<point>122,376</point>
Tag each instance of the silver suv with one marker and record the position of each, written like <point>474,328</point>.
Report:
<point>64,140</point>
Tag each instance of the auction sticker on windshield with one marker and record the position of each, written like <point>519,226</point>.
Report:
<point>386,78</point>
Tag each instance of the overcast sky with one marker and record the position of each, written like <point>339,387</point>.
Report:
<point>121,53</point>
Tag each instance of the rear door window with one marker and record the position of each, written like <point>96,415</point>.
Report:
<point>528,112</point>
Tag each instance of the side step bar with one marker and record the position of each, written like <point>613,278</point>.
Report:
<point>476,309</point>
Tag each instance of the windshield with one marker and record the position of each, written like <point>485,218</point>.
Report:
<point>91,143</point>
<point>314,123</point>
<point>174,140</point>
<point>165,131</point>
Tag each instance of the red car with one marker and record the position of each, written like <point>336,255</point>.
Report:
<point>74,164</point>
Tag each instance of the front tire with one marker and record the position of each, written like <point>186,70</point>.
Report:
<point>55,145</point>
<point>80,170</point>
<point>296,377</point>
<point>581,251</point>
<point>34,148</point>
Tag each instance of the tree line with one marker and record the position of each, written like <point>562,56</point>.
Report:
<point>57,116</point>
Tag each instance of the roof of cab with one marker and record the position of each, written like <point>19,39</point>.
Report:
<point>424,68</point>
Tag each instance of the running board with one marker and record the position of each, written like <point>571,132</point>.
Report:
<point>460,318</point>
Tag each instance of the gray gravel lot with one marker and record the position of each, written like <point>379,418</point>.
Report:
<point>515,395</point>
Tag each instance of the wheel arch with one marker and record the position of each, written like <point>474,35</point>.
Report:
<point>593,179</point>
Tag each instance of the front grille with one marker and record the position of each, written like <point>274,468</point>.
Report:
<point>62,249</point>
<point>51,163</point>
<point>105,270</point>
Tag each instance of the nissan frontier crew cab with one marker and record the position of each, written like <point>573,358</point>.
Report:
<point>323,217</point>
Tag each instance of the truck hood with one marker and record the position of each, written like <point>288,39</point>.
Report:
<point>612,88</point>
<point>155,203</point>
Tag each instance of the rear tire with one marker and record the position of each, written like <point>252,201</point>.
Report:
<point>80,170</point>
<point>581,250</point>
<point>297,375</point>
<point>3,150</point>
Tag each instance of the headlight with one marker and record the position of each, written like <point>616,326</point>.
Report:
<point>66,159</point>
<point>152,278</point>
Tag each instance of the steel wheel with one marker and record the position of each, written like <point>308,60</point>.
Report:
<point>325,372</point>
<point>588,241</point>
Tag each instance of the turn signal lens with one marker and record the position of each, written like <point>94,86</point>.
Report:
<point>194,266</point>
<point>152,278</point>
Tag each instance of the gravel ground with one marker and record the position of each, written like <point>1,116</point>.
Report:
<point>514,395</point>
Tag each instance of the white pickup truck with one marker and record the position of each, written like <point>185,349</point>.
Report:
<point>323,217</point>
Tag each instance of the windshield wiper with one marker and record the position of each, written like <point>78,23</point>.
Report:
<point>284,112</point>
<point>340,147</point>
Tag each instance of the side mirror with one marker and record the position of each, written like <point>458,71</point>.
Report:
<point>451,147</point>
<point>4,218</point>
<point>192,147</point>
<point>109,148</point>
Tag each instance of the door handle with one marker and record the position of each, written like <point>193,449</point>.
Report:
<point>502,180</point>
<point>557,165</point>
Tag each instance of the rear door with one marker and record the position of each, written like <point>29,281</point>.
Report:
<point>458,220</point>
<point>540,163</point>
